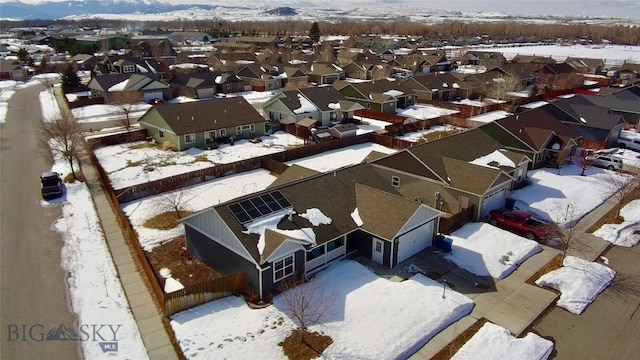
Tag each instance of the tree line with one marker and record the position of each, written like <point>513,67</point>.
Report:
<point>619,34</point>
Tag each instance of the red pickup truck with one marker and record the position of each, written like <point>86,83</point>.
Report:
<point>518,221</point>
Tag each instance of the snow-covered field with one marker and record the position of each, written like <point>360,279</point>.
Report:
<point>628,232</point>
<point>493,342</point>
<point>425,112</point>
<point>567,197</point>
<point>335,159</point>
<point>372,318</point>
<point>579,281</point>
<point>486,250</point>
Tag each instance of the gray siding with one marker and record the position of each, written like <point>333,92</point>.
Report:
<point>218,257</point>
<point>271,288</point>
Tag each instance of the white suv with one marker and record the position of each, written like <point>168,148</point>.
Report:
<point>608,161</point>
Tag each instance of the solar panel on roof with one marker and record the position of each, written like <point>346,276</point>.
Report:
<point>262,205</point>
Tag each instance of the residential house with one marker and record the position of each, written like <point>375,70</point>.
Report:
<point>151,46</point>
<point>324,104</point>
<point>150,86</point>
<point>12,70</point>
<point>628,73</point>
<point>585,65</point>
<point>85,62</point>
<point>435,86</point>
<point>533,59</point>
<point>300,228</point>
<point>293,77</point>
<point>454,173</point>
<point>537,134</point>
<point>260,42</point>
<point>367,70</point>
<point>230,60</point>
<point>261,77</point>
<point>625,102</point>
<point>203,124</point>
<point>483,58</point>
<point>426,63</point>
<point>201,85</point>
<point>124,64</point>
<point>324,73</point>
<point>382,95</point>
<point>597,126</point>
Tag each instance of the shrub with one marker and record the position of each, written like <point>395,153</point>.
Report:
<point>168,145</point>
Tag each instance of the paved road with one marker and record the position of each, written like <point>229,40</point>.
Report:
<point>34,295</point>
<point>610,327</point>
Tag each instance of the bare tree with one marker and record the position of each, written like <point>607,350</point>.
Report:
<point>621,185</point>
<point>62,136</point>
<point>564,229</point>
<point>503,86</point>
<point>307,303</point>
<point>125,101</point>
<point>174,201</point>
<point>585,161</point>
<point>562,156</point>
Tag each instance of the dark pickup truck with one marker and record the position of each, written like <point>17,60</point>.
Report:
<point>518,221</point>
<point>50,185</point>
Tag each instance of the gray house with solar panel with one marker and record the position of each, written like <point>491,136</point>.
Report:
<point>300,228</point>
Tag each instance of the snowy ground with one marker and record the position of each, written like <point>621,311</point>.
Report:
<point>134,163</point>
<point>486,250</point>
<point>418,135</point>
<point>108,112</point>
<point>579,281</point>
<point>372,318</point>
<point>425,112</point>
<point>96,294</point>
<point>490,116</point>
<point>370,125</point>
<point>194,198</point>
<point>612,54</point>
<point>625,234</point>
<point>493,342</point>
<point>562,198</point>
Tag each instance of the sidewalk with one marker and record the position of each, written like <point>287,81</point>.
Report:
<point>144,310</point>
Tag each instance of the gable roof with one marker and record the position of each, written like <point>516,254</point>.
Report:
<point>584,112</point>
<point>334,194</point>
<point>382,213</point>
<point>205,115</point>
<point>293,173</point>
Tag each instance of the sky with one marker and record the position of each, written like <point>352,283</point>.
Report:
<point>616,8</point>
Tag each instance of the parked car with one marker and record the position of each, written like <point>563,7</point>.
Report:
<point>631,144</point>
<point>50,185</point>
<point>609,161</point>
<point>519,221</point>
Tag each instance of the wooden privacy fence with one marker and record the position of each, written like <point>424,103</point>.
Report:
<point>447,225</point>
<point>117,138</point>
<point>391,142</point>
<point>183,299</point>
<point>201,293</point>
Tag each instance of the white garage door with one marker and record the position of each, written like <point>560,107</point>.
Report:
<point>206,93</point>
<point>152,95</point>
<point>415,241</point>
<point>492,201</point>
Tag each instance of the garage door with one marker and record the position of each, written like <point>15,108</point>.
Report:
<point>492,201</point>
<point>152,95</point>
<point>415,241</point>
<point>206,93</point>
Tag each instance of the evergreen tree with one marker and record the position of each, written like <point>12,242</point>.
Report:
<point>314,32</point>
<point>69,79</point>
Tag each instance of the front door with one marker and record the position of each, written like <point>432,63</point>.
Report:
<point>377,251</point>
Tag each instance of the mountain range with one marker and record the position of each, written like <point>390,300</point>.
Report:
<point>147,10</point>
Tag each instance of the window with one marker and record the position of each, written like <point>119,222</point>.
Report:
<point>189,138</point>
<point>335,244</point>
<point>243,128</point>
<point>283,268</point>
<point>223,132</point>
<point>395,181</point>
<point>252,127</point>
<point>161,134</point>
<point>128,68</point>
<point>378,246</point>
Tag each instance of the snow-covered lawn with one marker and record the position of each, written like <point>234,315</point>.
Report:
<point>7,89</point>
<point>486,250</point>
<point>416,136</point>
<point>625,234</point>
<point>373,318</point>
<point>370,125</point>
<point>425,112</point>
<point>579,281</point>
<point>567,197</point>
<point>493,342</point>
<point>194,198</point>
<point>334,159</point>
<point>107,112</point>
<point>135,163</point>
<point>490,116</point>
